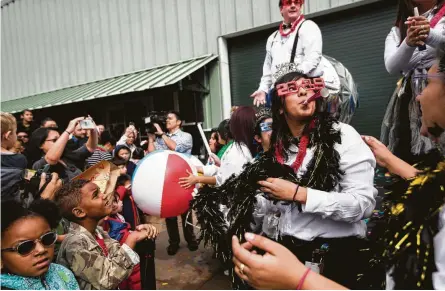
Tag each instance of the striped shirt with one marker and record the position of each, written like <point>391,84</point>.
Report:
<point>100,154</point>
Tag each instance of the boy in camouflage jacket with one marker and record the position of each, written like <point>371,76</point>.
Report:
<point>97,261</point>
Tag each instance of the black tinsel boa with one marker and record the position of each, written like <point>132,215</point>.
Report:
<point>404,236</point>
<point>238,192</point>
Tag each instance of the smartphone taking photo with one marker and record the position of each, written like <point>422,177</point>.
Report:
<point>87,124</point>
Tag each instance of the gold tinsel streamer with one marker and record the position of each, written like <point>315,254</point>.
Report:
<point>415,234</point>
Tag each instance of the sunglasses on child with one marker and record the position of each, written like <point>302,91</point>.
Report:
<point>266,126</point>
<point>26,247</point>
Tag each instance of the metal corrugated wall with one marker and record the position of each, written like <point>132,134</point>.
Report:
<point>359,43</point>
<point>356,37</point>
<point>53,44</point>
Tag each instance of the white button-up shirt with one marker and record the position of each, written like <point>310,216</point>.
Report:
<point>232,162</point>
<point>334,214</point>
<point>308,54</point>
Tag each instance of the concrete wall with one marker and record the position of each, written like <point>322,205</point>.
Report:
<point>53,44</point>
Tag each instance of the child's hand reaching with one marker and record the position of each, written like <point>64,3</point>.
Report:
<point>151,230</point>
<point>136,236</point>
<point>143,231</point>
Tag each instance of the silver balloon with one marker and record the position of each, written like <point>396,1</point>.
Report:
<point>346,100</point>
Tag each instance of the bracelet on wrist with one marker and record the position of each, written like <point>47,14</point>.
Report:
<point>296,192</point>
<point>69,133</point>
<point>300,208</point>
<point>303,278</point>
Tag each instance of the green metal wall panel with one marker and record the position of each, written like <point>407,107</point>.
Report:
<point>355,37</point>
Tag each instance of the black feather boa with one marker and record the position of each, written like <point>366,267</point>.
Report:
<point>238,192</point>
<point>404,236</point>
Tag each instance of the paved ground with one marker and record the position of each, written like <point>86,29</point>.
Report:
<point>186,270</point>
<point>195,270</point>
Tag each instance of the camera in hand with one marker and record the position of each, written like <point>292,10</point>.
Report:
<point>155,117</point>
<point>33,186</point>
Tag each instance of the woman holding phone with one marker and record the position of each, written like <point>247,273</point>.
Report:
<point>410,49</point>
<point>48,148</point>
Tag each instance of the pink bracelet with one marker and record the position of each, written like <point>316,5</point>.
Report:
<point>300,284</point>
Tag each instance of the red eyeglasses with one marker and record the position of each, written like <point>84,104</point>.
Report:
<point>316,85</point>
<point>290,2</point>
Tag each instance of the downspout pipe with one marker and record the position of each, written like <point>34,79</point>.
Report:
<point>224,77</point>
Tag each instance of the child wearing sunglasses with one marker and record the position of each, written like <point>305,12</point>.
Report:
<point>27,248</point>
<point>263,129</point>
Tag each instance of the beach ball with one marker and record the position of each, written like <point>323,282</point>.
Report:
<point>195,161</point>
<point>155,184</point>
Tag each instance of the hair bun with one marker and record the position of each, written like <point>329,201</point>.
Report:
<point>11,211</point>
<point>48,210</point>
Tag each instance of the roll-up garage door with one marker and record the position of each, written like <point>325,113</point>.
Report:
<point>355,37</point>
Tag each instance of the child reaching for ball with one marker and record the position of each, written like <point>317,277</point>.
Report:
<point>119,230</point>
<point>97,260</point>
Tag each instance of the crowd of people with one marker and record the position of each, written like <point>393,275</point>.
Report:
<point>298,212</point>
<point>66,247</point>
<point>284,196</point>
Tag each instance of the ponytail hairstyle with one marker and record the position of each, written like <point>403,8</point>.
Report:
<point>224,130</point>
